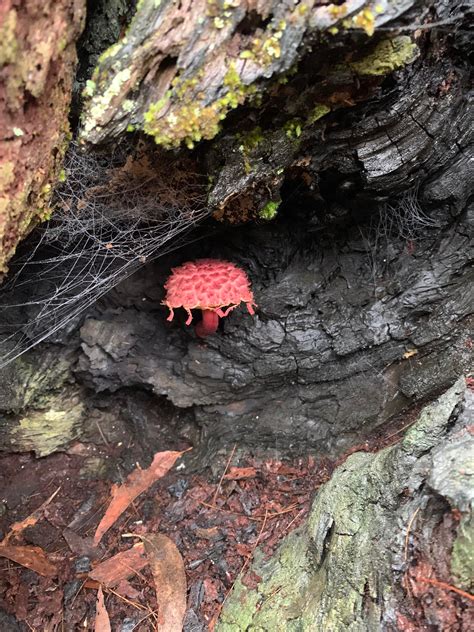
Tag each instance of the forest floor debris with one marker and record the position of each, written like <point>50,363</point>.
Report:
<point>185,537</point>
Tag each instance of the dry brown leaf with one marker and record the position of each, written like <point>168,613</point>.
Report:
<point>167,567</point>
<point>236,473</point>
<point>32,557</point>
<point>29,521</point>
<point>211,533</point>
<point>102,621</point>
<point>137,482</point>
<point>126,589</point>
<point>121,566</point>
<point>80,546</point>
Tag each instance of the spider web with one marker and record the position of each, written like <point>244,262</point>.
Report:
<point>403,220</point>
<point>111,215</point>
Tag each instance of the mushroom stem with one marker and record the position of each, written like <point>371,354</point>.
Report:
<point>208,324</point>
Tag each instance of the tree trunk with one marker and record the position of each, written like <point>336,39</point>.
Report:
<point>37,64</point>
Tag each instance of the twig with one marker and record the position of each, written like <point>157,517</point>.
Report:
<point>214,498</point>
<point>400,430</point>
<point>152,613</point>
<point>407,535</point>
<point>30,520</point>
<point>258,518</point>
<point>104,439</point>
<point>293,519</point>
<point>445,586</point>
<point>264,601</point>
<point>420,27</point>
<point>135,604</point>
<point>75,596</point>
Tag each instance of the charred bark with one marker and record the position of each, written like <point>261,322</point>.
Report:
<point>362,279</point>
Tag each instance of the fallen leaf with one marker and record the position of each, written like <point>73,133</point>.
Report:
<point>167,568</point>
<point>243,549</point>
<point>210,590</point>
<point>21,601</point>
<point>80,546</point>
<point>91,583</point>
<point>126,589</point>
<point>32,557</point>
<point>236,473</point>
<point>410,353</point>
<point>29,521</point>
<point>211,533</point>
<point>102,621</point>
<point>137,482</point>
<point>121,566</point>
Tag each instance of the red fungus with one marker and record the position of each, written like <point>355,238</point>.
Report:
<point>209,285</point>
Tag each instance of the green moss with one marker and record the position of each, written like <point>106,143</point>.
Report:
<point>44,214</point>
<point>462,559</point>
<point>266,49</point>
<point>337,11</point>
<point>89,88</point>
<point>112,50</point>
<point>221,12</point>
<point>319,110</point>
<point>269,211</point>
<point>190,120</point>
<point>181,87</point>
<point>285,76</point>
<point>249,141</point>
<point>365,20</point>
<point>293,128</point>
<point>388,55</point>
<point>252,139</point>
<point>230,4</point>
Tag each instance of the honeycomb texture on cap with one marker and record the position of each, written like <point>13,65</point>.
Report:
<point>209,284</point>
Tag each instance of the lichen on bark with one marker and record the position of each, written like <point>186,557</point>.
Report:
<point>179,70</point>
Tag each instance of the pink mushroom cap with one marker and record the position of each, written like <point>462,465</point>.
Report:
<point>210,285</point>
